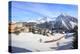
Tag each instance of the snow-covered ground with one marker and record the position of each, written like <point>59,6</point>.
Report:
<point>35,42</point>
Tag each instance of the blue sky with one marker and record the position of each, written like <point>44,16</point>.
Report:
<point>25,11</point>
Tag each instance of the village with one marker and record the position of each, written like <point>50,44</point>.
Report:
<point>28,27</point>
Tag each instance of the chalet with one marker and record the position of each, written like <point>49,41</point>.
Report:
<point>12,27</point>
<point>27,28</point>
<point>15,27</point>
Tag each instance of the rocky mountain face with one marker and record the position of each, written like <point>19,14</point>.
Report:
<point>65,22</point>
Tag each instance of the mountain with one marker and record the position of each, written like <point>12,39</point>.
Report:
<point>45,19</point>
<point>47,25</point>
<point>46,22</point>
<point>62,22</point>
<point>65,22</point>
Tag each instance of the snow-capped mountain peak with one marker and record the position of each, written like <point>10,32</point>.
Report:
<point>45,19</point>
<point>65,21</point>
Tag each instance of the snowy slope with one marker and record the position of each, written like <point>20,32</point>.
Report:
<point>32,42</point>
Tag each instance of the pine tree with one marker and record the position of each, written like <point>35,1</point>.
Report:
<point>75,40</point>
